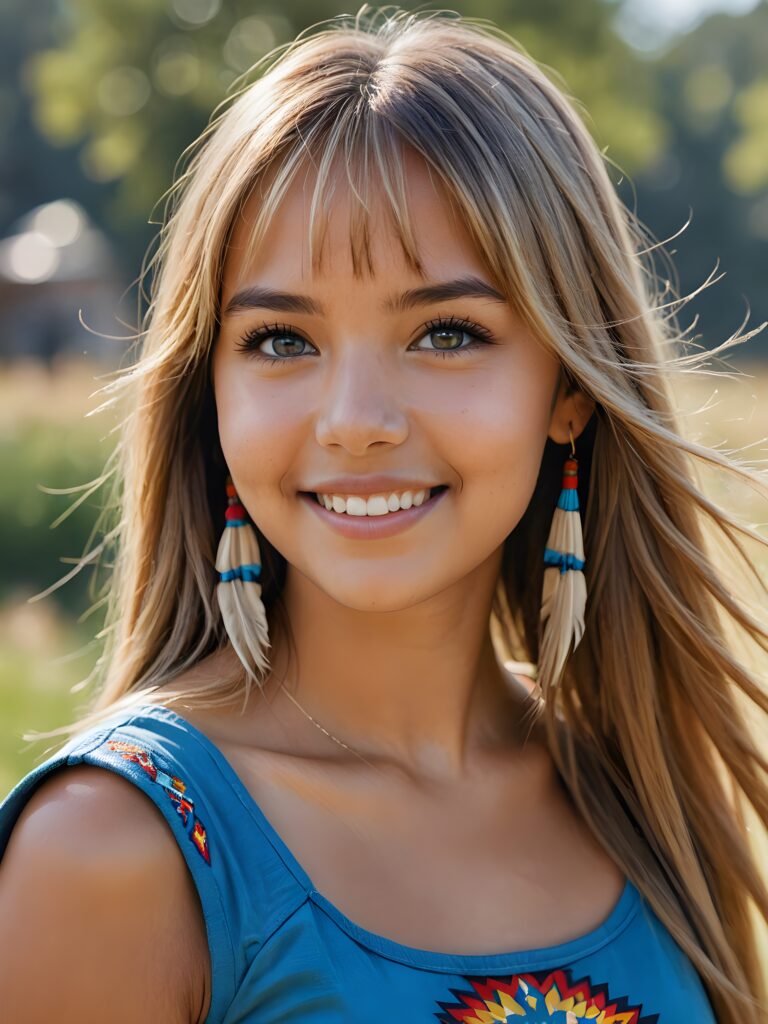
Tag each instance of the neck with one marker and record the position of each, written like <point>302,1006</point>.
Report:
<point>421,688</point>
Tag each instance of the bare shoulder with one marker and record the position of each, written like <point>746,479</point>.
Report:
<point>96,898</point>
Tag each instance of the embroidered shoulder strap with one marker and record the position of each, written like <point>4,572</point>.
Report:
<point>174,787</point>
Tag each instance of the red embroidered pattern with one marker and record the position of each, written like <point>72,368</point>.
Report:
<point>174,787</point>
<point>541,997</point>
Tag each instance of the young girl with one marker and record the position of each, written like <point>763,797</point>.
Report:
<point>401,424</point>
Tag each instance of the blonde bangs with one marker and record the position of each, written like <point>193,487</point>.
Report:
<point>368,161</point>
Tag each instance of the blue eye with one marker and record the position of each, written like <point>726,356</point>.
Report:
<point>288,343</point>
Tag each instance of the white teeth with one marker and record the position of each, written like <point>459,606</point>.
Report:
<point>375,505</point>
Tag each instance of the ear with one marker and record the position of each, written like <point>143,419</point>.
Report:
<point>570,405</point>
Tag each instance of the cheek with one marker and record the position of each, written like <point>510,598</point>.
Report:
<point>258,432</point>
<point>499,432</point>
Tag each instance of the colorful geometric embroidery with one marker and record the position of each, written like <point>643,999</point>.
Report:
<point>540,998</point>
<point>176,790</point>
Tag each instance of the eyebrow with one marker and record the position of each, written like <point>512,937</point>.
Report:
<point>258,297</point>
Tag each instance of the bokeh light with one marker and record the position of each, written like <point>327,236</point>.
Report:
<point>250,39</point>
<point>123,91</point>
<point>177,69</point>
<point>196,12</point>
<point>708,88</point>
<point>61,221</point>
<point>29,257</point>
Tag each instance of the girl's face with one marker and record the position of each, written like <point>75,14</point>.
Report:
<point>394,382</point>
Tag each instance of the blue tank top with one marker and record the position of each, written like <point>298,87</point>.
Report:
<point>281,951</point>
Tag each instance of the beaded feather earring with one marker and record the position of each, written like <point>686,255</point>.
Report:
<point>564,594</point>
<point>238,563</point>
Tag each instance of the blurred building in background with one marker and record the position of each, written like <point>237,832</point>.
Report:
<point>56,265</point>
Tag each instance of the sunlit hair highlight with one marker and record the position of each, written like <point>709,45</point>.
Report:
<point>653,723</point>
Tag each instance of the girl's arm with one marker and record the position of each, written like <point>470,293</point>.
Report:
<point>99,918</point>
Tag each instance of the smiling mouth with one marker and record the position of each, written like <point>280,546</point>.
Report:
<point>315,498</point>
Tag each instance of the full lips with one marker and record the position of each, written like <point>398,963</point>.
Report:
<point>373,527</point>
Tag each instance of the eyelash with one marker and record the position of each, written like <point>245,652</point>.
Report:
<point>253,338</point>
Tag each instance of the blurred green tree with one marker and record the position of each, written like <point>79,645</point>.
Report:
<point>712,89</point>
<point>131,83</point>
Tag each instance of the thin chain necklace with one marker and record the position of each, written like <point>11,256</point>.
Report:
<point>330,734</point>
<point>323,729</point>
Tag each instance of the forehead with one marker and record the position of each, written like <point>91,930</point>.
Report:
<point>442,241</point>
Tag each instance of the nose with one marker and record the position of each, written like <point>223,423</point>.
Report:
<point>360,406</point>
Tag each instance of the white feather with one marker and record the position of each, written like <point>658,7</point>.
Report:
<point>564,598</point>
<point>240,601</point>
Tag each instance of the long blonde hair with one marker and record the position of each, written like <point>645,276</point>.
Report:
<point>652,727</point>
